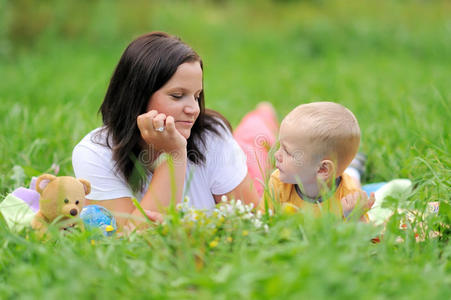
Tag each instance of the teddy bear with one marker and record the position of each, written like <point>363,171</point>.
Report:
<point>61,198</point>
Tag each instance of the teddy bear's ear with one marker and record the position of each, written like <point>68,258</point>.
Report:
<point>86,185</point>
<point>43,181</point>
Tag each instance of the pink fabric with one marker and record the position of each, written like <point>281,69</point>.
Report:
<point>256,134</point>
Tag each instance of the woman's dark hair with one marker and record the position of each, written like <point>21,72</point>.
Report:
<point>145,66</point>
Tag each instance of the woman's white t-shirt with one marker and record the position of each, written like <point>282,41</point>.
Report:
<point>223,170</point>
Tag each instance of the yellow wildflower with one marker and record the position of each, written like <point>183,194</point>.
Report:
<point>289,208</point>
<point>213,243</point>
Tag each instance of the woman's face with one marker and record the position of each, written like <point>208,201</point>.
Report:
<point>179,97</point>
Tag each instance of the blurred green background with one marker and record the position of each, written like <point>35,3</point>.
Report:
<point>388,61</point>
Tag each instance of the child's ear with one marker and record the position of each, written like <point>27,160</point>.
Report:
<point>326,169</point>
<point>43,181</point>
<point>86,185</point>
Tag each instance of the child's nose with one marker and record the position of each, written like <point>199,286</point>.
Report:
<point>277,156</point>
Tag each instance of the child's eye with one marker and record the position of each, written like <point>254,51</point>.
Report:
<point>285,150</point>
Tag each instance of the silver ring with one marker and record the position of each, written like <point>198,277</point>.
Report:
<point>160,129</point>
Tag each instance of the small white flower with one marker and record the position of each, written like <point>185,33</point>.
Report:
<point>248,216</point>
<point>266,227</point>
<point>224,198</point>
<point>257,223</point>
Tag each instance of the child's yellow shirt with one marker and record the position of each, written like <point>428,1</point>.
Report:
<point>285,193</point>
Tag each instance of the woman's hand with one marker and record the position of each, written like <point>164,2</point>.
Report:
<point>167,139</point>
<point>154,216</point>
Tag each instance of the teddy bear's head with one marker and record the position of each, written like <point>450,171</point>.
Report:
<point>61,196</point>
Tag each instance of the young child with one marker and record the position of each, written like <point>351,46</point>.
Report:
<point>317,142</point>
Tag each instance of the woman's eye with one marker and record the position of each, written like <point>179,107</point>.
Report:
<point>176,96</point>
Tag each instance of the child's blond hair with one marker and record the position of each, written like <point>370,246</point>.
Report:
<point>331,129</point>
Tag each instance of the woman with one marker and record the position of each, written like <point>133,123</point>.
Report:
<point>154,105</point>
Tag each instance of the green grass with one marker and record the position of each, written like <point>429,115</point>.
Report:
<point>388,61</point>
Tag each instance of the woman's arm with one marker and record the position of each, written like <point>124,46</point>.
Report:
<point>164,187</point>
<point>120,205</point>
<point>167,184</point>
<point>245,192</point>
<point>168,178</point>
<point>167,181</point>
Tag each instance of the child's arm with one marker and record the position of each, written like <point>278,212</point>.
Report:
<point>357,204</point>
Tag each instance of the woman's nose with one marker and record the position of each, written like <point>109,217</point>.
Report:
<point>192,107</point>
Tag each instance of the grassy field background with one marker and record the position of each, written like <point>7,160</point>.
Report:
<point>388,61</point>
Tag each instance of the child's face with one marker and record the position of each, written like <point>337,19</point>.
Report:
<point>295,158</point>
